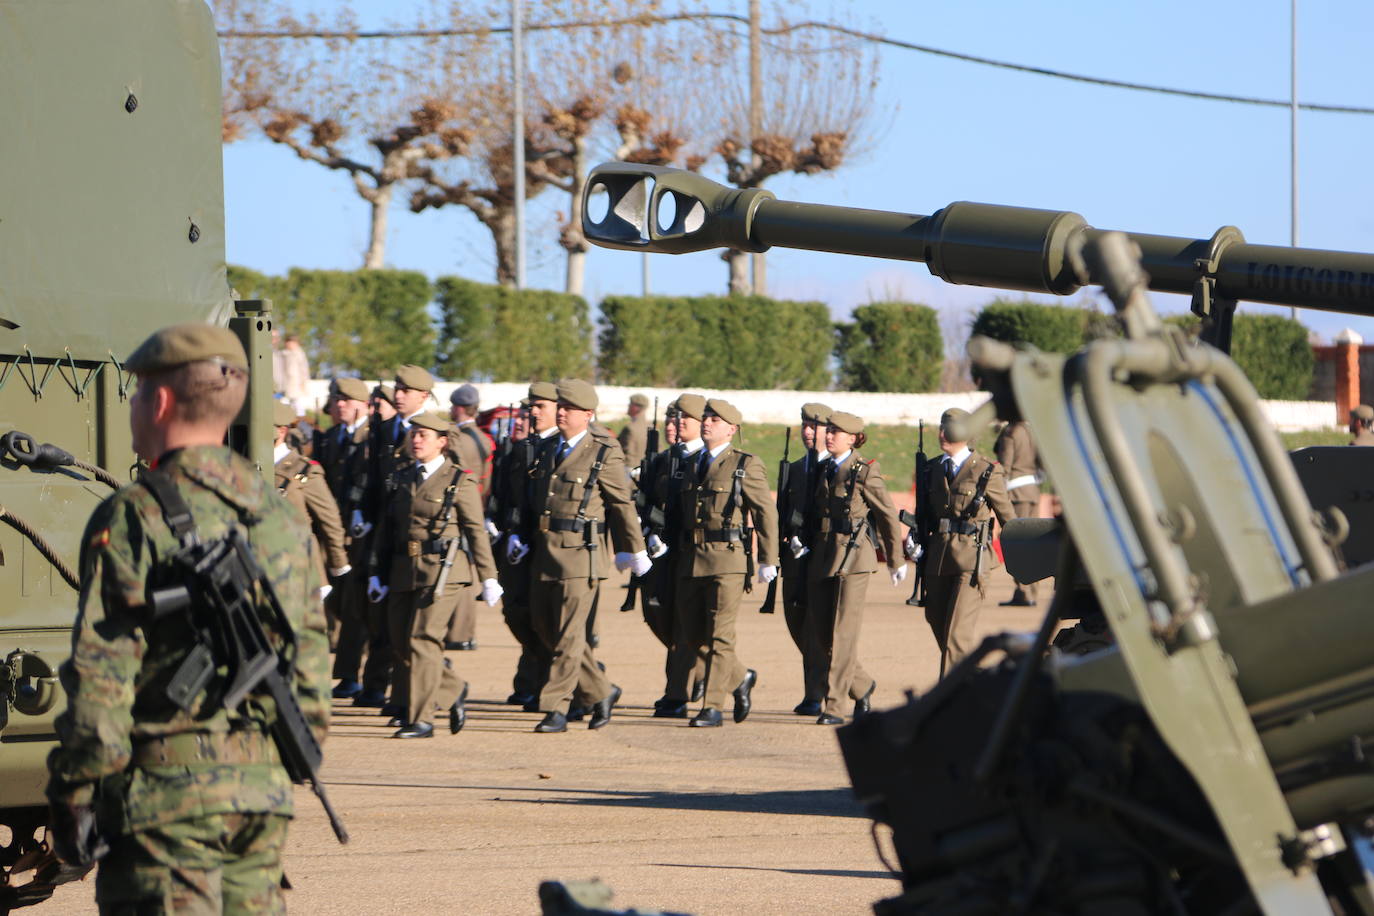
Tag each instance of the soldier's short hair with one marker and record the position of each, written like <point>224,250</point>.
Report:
<point>203,392</point>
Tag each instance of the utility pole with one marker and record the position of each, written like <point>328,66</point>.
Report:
<point>1293,136</point>
<point>518,134</point>
<point>760,269</point>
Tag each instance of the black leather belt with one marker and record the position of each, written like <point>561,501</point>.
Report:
<point>550,523</point>
<point>717,535</point>
<point>955,526</point>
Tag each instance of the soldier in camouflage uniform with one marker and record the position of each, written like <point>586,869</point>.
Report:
<point>193,804</point>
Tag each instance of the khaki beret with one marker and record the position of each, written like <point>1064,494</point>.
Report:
<point>846,422</point>
<point>639,400</point>
<point>386,393</point>
<point>1363,412</point>
<point>693,405</point>
<point>576,393</point>
<point>954,424</point>
<point>672,409</point>
<point>414,377</point>
<point>432,419</point>
<point>524,403</point>
<point>192,342</point>
<point>283,414</point>
<point>351,389</point>
<point>725,410</point>
<point>815,412</point>
<point>543,391</point>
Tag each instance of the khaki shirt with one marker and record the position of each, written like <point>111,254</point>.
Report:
<point>706,505</point>
<point>951,553</point>
<point>557,491</point>
<point>1015,450</point>
<point>410,552</point>
<point>302,482</point>
<point>843,501</point>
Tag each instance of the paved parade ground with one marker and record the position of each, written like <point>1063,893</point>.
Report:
<point>756,818</point>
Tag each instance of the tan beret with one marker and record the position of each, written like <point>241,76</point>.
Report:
<point>693,405</point>
<point>576,393</point>
<point>283,414</point>
<point>432,419</point>
<point>543,391</point>
<point>180,344</point>
<point>639,400</point>
<point>352,389</point>
<point>954,424</point>
<point>414,377</point>
<point>846,422</point>
<point>725,410</point>
<point>1363,412</point>
<point>815,412</point>
<point>386,393</point>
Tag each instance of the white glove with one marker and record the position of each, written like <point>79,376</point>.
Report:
<point>634,473</point>
<point>640,563</point>
<point>325,590</point>
<point>656,546</point>
<point>376,591</point>
<point>914,551</point>
<point>622,561</point>
<point>491,592</point>
<point>899,575</point>
<point>515,549</point>
<point>767,573</point>
<point>492,529</point>
<point>357,526</point>
<point>799,549</point>
<point>341,571</point>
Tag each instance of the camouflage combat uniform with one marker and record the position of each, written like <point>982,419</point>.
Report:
<point>193,804</point>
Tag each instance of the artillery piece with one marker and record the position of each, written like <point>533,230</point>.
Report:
<point>1213,759</point>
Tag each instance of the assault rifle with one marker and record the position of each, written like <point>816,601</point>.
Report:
<point>770,600</point>
<point>919,521</point>
<point>221,588</point>
<point>644,498</point>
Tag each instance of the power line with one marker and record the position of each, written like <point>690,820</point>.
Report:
<point>810,24</point>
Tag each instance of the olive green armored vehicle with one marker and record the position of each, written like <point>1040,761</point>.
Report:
<point>111,225</point>
<point>1212,756</point>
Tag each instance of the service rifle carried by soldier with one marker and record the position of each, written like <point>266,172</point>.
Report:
<point>770,599</point>
<point>644,502</point>
<point>919,521</point>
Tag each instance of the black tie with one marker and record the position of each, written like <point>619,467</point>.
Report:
<point>563,449</point>
<point>949,468</point>
<point>706,460</point>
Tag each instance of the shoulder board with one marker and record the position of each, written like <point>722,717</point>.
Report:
<point>745,456</point>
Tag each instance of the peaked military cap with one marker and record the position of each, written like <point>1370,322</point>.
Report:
<point>543,391</point>
<point>576,393</point>
<point>815,412</point>
<point>414,377</point>
<point>351,389</point>
<point>639,400</point>
<point>283,414</point>
<point>846,422</point>
<point>693,405</point>
<point>725,410</point>
<point>432,419</point>
<point>1363,412</point>
<point>386,393</point>
<point>192,342</point>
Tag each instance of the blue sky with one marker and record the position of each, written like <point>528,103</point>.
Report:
<point>959,131</point>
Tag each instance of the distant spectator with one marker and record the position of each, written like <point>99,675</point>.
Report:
<point>634,438</point>
<point>295,375</point>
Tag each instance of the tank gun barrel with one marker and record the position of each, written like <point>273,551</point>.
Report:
<point>659,209</point>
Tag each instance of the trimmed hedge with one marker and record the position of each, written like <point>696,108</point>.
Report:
<point>1270,349</point>
<point>715,342</point>
<point>1052,328</point>
<point>497,333</point>
<point>890,346</point>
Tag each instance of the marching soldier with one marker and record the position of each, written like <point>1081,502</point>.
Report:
<point>191,799</point>
<point>853,512</point>
<point>472,448</point>
<point>797,523</point>
<point>1015,451</point>
<point>966,491</point>
<point>302,482</point>
<point>342,452</point>
<point>728,489</point>
<point>1361,419</point>
<point>431,544</point>
<point>634,435</point>
<point>578,489</point>
<point>668,480</point>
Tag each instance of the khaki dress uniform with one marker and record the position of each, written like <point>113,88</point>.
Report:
<point>565,575</point>
<point>414,539</point>
<point>1015,450</point>
<point>511,483</point>
<point>797,518</point>
<point>473,449</point>
<point>302,482</point>
<point>634,440</point>
<point>952,603</point>
<point>713,565</point>
<point>851,496</point>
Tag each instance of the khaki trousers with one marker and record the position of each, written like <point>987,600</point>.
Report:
<point>462,624</point>
<point>362,632</point>
<point>418,625</point>
<point>558,611</point>
<point>834,616</point>
<point>661,616</point>
<point>708,607</point>
<point>952,609</point>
